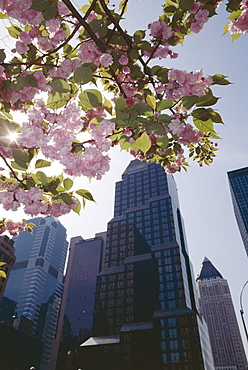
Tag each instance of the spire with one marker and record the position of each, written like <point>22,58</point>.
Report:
<point>208,271</point>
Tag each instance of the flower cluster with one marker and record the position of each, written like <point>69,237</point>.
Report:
<point>240,25</point>
<point>13,228</point>
<point>183,83</point>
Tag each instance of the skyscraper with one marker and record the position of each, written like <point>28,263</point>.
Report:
<point>36,280</point>
<point>238,181</point>
<point>146,205</point>
<point>217,308</point>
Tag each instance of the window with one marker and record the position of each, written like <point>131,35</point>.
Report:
<point>175,357</point>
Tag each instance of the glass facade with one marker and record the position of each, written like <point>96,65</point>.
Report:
<point>83,267</point>
<point>36,279</point>
<point>147,199</point>
<point>238,181</point>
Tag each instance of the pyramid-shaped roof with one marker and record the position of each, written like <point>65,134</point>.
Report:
<point>208,271</point>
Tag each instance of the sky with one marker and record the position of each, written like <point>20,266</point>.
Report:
<point>204,194</point>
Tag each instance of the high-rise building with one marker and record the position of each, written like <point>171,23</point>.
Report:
<point>76,317</point>
<point>36,280</point>
<point>238,181</point>
<point>7,256</point>
<point>217,308</point>
<point>146,291</point>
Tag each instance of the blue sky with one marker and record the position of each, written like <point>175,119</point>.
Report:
<point>203,192</point>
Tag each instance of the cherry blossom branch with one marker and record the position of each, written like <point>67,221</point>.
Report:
<point>11,169</point>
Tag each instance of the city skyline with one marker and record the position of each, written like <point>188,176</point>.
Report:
<point>204,192</point>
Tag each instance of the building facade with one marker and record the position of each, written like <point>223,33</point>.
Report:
<point>146,204</point>
<point>217,308</point>
<point>7,255</point>
<point>36,280</point>
<point>238,181</point>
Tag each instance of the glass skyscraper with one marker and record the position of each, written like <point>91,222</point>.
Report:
<point>217,309</point>
<point>36,279</point>
<point>238,181</point>
<point>146,204</point>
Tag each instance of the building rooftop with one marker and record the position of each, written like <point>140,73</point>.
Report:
<point>208,271</point>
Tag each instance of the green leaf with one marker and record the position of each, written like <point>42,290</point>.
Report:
<point>30,80</point>
<point>123,4</point>
<point>51,11</point>
<point>91,98</point>
<point>143,143</point>
<point>139,35</point>
<point>120,104</point>
<point>85,194</point>
<point>21,158</point>
<point>144,45</point>
<point>39,5</point>
<point>204,126</point>
<point>42,163</point>
<point>151,101</point>
<point>220,79</point>
<point>78,207</point>
<point>164,118</point>
<point>107,105</point>
<point>42,177</point>
<point>22,167</point>
<point>3,274</point>
<point>201,113</point>
<point>68,183</point>
<point>2,55</point>
<point>66,198</point>
<point>14,31</point>
<point>186,4</point>
<point>163,142</point>
<point>235,14</point>
<point>215,117</point>
<point>164,104</point>
<point>83,74</point>
<point>57,100</point>
<point>189,101</point>
<point>233,5</point>
<point>3,15</point>
<point>207,99</point>
<point>60,85</point>
<point>156,127</point>
<point>235,36</point>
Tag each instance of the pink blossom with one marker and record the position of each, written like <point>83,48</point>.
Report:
<point>106,60</point>
<point>160,28</point>
<point>196,7</point>
<point>123,60</point>
<point>240,25</point>
<point>21,47</point>
<point>176,127</point>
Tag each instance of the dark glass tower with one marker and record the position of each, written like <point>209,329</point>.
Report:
<point>36,279</point>
<point>146,201</point>
<point>217,309</point>
<point>238,181</point>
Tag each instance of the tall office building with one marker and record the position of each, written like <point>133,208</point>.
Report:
<point>146,288</point>
<point>76,318</point>
<point>35,284</point>
<point>238,181</point>
<point>217,308</point>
